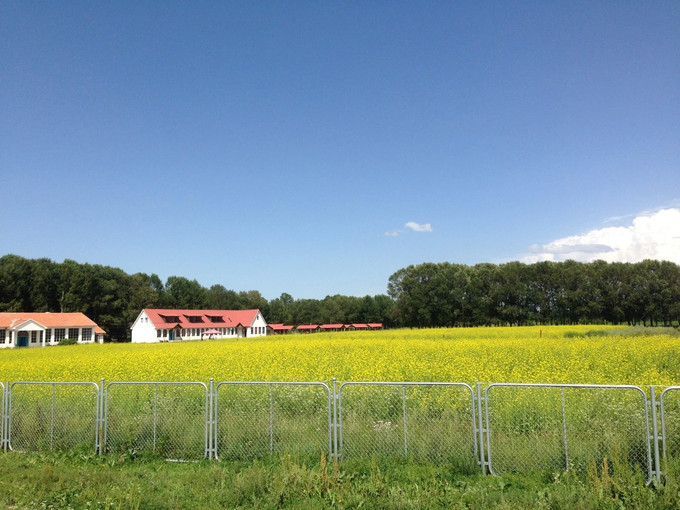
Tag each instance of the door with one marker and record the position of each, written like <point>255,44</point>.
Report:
<point>22,339</point>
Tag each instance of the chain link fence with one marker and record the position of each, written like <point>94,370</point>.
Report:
<point>167,418</point>
<point>552,427</point>
<point>504,428</point>
<point>52,415</point>
<point>670,421</point>
<point>255,419</point>
<point>431,422</point>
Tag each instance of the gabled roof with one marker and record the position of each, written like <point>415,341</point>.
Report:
<point>332,326</point>
<point>375,325</point>
<point>12,320</point>
<point>280,327</point>
<point>170,318</point>
<point>308,326</point>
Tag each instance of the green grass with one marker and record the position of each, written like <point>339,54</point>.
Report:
<point>125,481</point>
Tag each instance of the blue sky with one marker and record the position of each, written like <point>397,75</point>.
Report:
<point>315,148</point>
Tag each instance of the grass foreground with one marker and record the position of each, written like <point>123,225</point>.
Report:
<point>127,481</point>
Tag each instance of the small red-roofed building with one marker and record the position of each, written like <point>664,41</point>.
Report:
<point>332,327</point>
<point>167,325</point>
<point>39,329</point>
<point>375,325</point>
<point>308,328</point>
<point>359,327</point>
<point>279,329</point>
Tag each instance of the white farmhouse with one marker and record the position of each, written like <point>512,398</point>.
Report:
<point>19,329</point>
<point>163,325</point>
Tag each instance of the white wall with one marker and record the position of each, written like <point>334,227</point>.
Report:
<point>143,330</point>
<point>258,327</point>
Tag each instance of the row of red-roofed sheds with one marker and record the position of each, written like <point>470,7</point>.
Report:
<point>282,329</point>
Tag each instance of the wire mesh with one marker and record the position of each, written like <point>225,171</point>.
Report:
<point>515,427</point>
<point>52,415</point>
<point>431,422</point>
<point>670,421</point>
<point>167,418</point>
<point>256,419</point>
<point>548,428</point>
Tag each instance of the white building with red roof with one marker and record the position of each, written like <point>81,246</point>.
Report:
<point>36,329</point>
<point>169,325</point>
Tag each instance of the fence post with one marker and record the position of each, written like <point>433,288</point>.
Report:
<point>211,423</point>
<point>564,432</point>
<point>4,438</point>
<point>480,428</point>
<point>271,418</point>
<point>335,419</point>
<point>101,417</point>
<point>655,435</point>
<point>403,396</point>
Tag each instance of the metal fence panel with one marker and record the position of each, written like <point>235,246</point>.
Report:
<point>670,421</point>
<point>420,421</point>
<point>167,418</point>
<point>52,415</point>
<point>548,427</point>
<point>256,419</point>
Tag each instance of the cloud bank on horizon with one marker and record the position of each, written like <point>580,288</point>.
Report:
<point>653,235</point>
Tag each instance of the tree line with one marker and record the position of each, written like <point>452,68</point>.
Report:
<point>570,292</point>
<point>425,295</point>
<point>113,299</point>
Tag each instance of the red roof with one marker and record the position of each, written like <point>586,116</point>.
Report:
<point>308,326</point>
<point>280,327</point>
<point>332,326</point>
<point>11,320</point>
<point>375,325</point>
<point>170,318</point>
<point>360,326</point>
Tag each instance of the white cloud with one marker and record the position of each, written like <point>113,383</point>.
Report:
<point>417,227</point>
<point>411,225</point>
<point>654,235</point>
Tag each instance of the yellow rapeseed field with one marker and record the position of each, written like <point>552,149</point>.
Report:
<point>552,354</point>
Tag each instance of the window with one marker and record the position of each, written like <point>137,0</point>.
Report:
<point>48,335</point>
<point>194,318</point>
<point>215,318</point>
<point>86,334</point>
<point>73,333</point>
<point>34,337</point>
<point>59,334</point>
<point>158,333</point>
<point>170,319</point>
<point>2,336</point>
<point>165,333</point>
